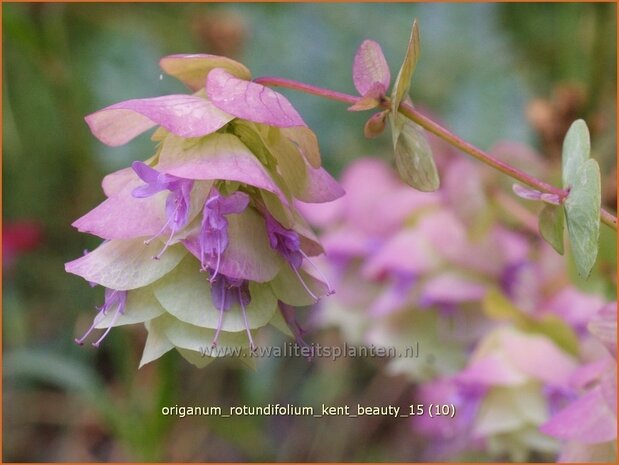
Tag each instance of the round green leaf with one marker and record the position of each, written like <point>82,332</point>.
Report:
<point>551,226</point>
<point>403,81</point>
<point>582,210</point>
<point>413,156</point>
<point>576,151</point>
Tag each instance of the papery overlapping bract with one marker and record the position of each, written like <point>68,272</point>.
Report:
<point>192,69</point>
<point>250,101</point>
<point>189,233</point>
<point>183,115</point>
<point>370,68</point>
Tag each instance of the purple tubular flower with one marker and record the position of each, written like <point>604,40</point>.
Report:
<point>177,203</point>
<point>114,300</point>
<point>213,237</point>
<point>226,291</point>
<point>285,241</point>
<point>288,243</point>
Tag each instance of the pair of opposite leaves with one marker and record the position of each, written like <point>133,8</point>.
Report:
<point>416,167</point>
<point>581,208</point>
<point>371,76</point>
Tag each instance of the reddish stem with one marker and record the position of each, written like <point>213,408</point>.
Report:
<point>307,88</point>
<point>438,130</point>
<point>423,121</point>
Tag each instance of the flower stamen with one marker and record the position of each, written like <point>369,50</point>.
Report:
<point>305,286</point>
<point>218,260</point>
<point>252,346</point>
<point>119,311</point>
<point>221,316</point>
<point>330,290</point>
<point>288,243</point>
<point>113,299</point>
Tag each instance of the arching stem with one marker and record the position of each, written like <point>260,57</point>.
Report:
<point>407,110</point>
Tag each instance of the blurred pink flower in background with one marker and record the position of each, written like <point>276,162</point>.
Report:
<point>18,237</point>
<point>516,370</point>
<point>588,425</point>
<point>502,332</point>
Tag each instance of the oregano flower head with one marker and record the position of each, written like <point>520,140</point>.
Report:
<point>203,242</point>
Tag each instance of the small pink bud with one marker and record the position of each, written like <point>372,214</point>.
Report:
<point>375,125</point>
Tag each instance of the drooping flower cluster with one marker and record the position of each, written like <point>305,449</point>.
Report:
<point>588,424</point>
<point>203,242</point>
<point>501,333</point>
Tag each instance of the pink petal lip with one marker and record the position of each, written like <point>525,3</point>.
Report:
<point>250,101</point>
<point>347,242</point>
<point>183,115</point>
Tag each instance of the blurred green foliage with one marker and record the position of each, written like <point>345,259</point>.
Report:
<point>480,66</point>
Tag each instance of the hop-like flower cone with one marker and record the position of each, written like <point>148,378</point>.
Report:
<point>203,243</point>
